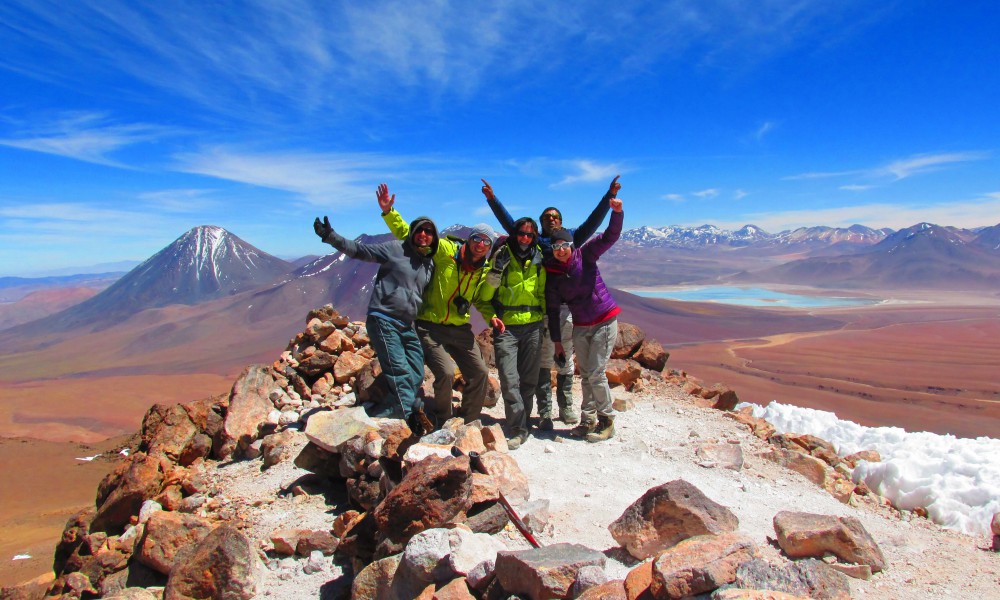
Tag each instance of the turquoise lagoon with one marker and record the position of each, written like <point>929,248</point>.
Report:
<point>752,296</point>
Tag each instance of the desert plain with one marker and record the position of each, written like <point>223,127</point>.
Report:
<point>917,360</point>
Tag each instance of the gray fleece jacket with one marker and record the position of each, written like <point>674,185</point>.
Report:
<point>403,271</point>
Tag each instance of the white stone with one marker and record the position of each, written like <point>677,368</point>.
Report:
<point>469,550</point>
<point>425,556</point>
<point>148,508</point>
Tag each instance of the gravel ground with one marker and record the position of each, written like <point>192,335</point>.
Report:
<point>589,485</point>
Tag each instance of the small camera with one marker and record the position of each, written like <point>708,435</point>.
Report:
<point>462,306</point>
<point>560,360</point>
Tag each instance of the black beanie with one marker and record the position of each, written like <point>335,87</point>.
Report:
<point>561,235</point>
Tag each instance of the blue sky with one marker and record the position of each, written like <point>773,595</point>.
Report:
<point>123,124</point>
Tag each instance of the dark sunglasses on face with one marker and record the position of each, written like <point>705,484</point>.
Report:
<point>526,234</point>
<point>562,246</point>
<point>425,229</point>
<point>551,217</point>
<point>478,239</point>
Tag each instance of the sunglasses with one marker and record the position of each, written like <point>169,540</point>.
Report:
<point>479,239</point>
<point>562,246</point>
<point>551,217</point>
<point>427,229</point>
<point>526,234</point>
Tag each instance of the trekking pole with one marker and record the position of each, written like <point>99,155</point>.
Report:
<point>477,464</point>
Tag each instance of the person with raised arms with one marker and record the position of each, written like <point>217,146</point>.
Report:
<point>575,280</point>
<point>443,321</point>
<point>404,272</point>
<point>551,219</point>
<point>515,286</point>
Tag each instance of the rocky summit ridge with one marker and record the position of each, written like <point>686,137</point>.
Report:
<point>285,488</point>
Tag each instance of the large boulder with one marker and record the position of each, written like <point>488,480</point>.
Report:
<point>668,514</point>
<point>223,566</point>
<point>628,341</point>
<point>802,534</point>
<point>547,572</point>
<point>431,494</point>
<point>166,534</point>
<point>248,407</point>
<point>121,493</point>
<point>700,564</point>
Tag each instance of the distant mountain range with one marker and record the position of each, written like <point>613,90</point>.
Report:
<point>924,256</point>
<point>210,264</point>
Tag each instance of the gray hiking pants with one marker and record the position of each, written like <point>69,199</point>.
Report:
<point>517,354</point>
<point>593,345</point>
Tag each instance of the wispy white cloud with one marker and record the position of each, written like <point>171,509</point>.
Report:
<point>924,163</point>
<point>317,58</point>
<point>740,194</point>
<point>318,178</point>
<point>674,197</point>
<point>901,168</point>
<point>90,137</point>
<point>855,187</point>
<point>765,128</point>
<point>707,193</point>
<point>587,171</point>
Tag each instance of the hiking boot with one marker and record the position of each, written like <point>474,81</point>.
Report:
<point>564,397</point>
<point>545,424</point>
<point>605,429</point>
<point>568,415</point>
<point>515,441</point>
<point>585,428</point>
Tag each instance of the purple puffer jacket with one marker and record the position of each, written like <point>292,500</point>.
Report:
<point>578,284</point>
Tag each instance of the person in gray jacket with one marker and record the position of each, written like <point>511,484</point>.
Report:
<point>405,269</point>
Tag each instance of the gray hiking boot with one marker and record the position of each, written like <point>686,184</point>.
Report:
<point>605,430</point>
<point>515,441</point>
<point>545,424</point>
<point>564,397</point>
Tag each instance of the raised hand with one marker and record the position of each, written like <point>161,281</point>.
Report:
<point>614,187</point>
<point>616,205</point>
<point>322,228</point>
<point>487,190</point>
<point>385,201</point>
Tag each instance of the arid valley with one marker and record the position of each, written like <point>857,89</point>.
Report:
<point>921,361</point>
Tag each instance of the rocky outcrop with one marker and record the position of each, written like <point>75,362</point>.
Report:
<point>412,518</point>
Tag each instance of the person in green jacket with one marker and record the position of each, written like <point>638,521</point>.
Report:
<point>516,288</point>
<point>443,321</point>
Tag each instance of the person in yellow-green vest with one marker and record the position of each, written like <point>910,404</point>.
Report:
<point>516,288</point>
<point>443,321</point>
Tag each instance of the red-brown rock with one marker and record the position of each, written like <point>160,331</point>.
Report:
<point>652,355</point>
<point>667,514</point>
<point>431,493</point>
<point>623,372</point>
<point>248,407</point>
<point>810,535</point>
<point>700,564</point>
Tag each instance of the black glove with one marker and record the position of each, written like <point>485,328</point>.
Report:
<point>322,228</point>
<point>502,258</point>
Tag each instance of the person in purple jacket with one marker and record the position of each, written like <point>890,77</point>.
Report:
<point>574,279</point>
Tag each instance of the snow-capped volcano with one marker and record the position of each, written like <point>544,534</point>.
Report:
<point>205,263</point>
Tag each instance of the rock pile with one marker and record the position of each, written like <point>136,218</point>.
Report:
<point>419,522</point>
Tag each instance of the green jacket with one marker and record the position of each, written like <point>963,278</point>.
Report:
<point>449,281</point>
<point>520,299</point>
